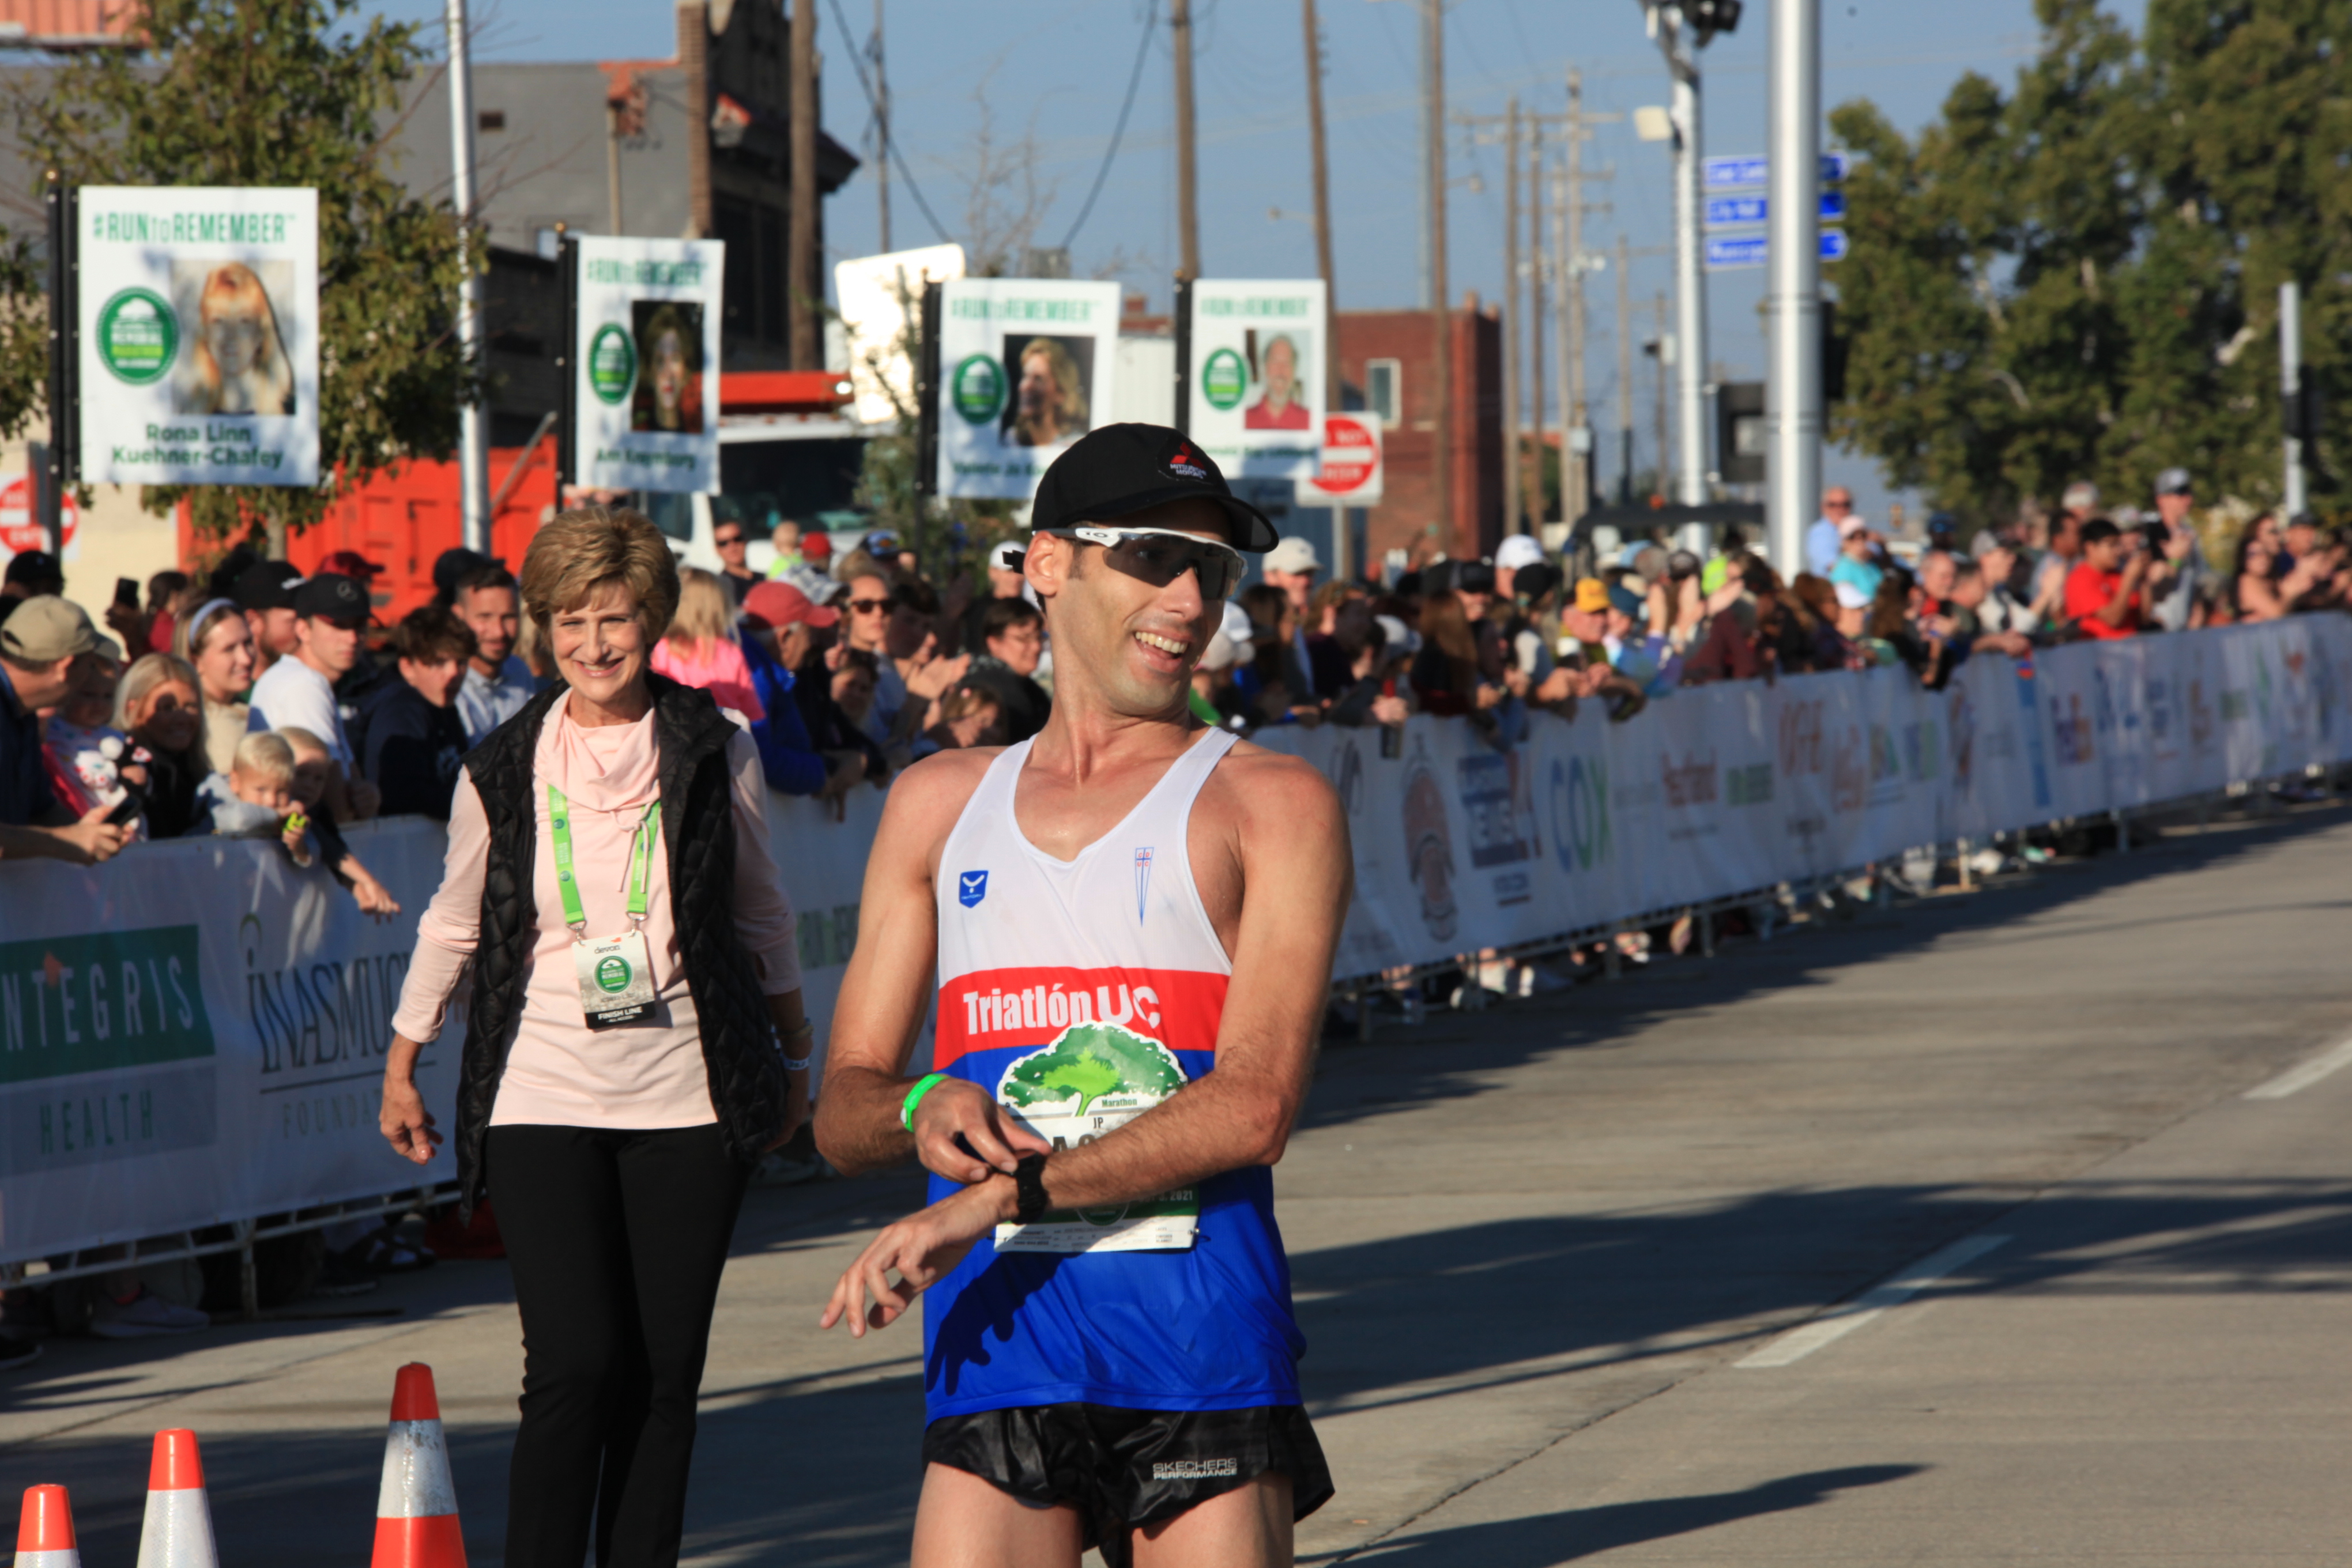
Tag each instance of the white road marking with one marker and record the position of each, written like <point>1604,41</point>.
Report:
<point>1847,1316</point>
<point>2330,1061</point>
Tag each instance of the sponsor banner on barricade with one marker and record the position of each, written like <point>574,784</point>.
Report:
<point>1461,845</point>
<point>194,1032</point>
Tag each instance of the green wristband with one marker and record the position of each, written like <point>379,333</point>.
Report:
<point>923,1086</point>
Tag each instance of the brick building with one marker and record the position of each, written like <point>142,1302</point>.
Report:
<point>1388,366</point>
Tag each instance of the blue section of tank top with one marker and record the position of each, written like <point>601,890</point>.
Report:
<point>1207,1329</point>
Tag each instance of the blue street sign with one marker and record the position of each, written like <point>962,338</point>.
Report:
<point>1737,211</point>
<point>1749,172</point>
<point>1729,252</point>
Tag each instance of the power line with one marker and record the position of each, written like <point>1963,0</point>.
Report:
<point>1134,79</point>
<point>889,142</point>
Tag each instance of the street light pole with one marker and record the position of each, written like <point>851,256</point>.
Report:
<point>2291,390</point>
<point>473,435</point>
<point>1794,389</point>
<point>1680,42</point>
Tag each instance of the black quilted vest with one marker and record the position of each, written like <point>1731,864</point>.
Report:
<point>698,828</point>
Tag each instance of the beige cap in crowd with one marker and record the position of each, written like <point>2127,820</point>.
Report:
<point>46,629</point>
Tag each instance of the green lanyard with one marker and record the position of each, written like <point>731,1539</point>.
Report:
<point>641,857</point>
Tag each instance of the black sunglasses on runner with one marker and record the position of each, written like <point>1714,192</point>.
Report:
<point>1160,555</point>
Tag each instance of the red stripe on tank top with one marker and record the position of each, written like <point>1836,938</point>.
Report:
<point>992,1008</point>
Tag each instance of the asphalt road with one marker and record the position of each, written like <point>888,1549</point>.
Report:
<point>2059,1290</point>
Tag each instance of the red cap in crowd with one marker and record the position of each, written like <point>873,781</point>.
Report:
<point>775,603</point>
<point>350,563</point>
<point>817,547</point>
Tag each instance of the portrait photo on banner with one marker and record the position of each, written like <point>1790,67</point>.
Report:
<point>237,362</point>
<point>1050,376</point>
<point>669,366</point>
<point>1277,360</point>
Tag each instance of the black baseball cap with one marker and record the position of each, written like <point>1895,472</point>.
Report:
<point>1121,469</point>
<point>33,566</point>
<point>266,586</point>
<point>333,596</point>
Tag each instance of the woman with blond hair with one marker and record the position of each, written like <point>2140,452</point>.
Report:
<point>239,360</point>
<point>216,642</point>
<point>634,1035</point>
<point>701,648</point>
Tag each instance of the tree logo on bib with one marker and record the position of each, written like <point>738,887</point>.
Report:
<point>613,972</point>
<point>1093,1078</point>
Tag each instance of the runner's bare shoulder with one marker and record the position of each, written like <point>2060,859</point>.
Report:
<point>1274,791</point>
<point>927,798</point>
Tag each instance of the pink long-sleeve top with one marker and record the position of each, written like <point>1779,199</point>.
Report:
<point>559,1072</point>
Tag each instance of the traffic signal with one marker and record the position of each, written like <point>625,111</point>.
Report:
<point>1834,346</point>
<point>1708,18</point>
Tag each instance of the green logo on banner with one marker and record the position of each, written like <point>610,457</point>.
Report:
<point>1223,379</point>
<point>611,363</point>
<point>100,1002</point>
<point>978,388</point>
<point>613,972</point>
<point>137,336</point>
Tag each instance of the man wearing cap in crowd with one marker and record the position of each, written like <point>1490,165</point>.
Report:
<point>265,591</point>
<point>299,692</point>
<point>31,573</point>
<point>1520,550</point>
<point>1827,535</point>
<point>2180,603</point>
<point>39,644</point>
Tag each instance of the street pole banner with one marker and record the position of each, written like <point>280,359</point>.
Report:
<point>1254,399</point>
<point>194,1032</point>
<point>646,349</point>
<point>1026,367</point>
<point>197,309</point>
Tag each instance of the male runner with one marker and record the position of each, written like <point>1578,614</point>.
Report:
<point>1133,947</point>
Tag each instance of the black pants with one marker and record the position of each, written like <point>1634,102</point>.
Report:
<point>616,1240</point>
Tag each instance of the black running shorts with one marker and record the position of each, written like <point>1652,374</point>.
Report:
<point>1123,1470</point>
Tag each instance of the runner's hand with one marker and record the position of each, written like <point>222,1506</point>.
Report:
<point>922,1249</point>
<point>406,1125</point>
<point>962,1133</point>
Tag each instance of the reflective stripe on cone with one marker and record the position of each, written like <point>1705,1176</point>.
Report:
<point>178,1533</point>
<point>45,1531</point>
<point>416,1506</point>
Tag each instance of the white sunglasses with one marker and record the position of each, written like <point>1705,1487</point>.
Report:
<point>1160,555</point>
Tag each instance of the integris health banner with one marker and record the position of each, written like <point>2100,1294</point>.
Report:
<point>647,353</point>
<point>1255,397</point>
<point>1026,366</point>
<point>198,310</point>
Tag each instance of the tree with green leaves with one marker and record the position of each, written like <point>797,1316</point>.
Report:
<point>2078,278</point>
<point>283,93</point>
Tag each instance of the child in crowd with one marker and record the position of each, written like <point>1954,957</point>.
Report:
<point>255,799</point>
<point>90,763</point>
<point>700,648</point>
<point>313,763</point>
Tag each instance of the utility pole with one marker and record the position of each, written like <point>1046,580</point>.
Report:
<point>1188,209</point>
<point>1794,389</point>
<point>803,295</point>
<point>1533,495</point>
<point>615,112</point>
<point>1563,261</point>
<point>1432,24</point>
<point>1667,348</point>
<point>2290,390</point>
<point>473,430</point>
<point>1679,39</point>
<point>1576,439</point>
<point>1344,565</point>
<point>1624,375</point>
<point>1513,521</point>
<point>881,131</point>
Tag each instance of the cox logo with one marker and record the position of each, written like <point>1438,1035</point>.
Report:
<point>1579,797</point>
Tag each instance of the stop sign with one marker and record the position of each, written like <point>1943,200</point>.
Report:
<point>20,525</point>
<point>1351,464</point>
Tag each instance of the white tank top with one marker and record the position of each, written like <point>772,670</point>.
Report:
<point>1125,902</point>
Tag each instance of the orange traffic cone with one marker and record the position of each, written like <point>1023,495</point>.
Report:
<point>45,1537</point>
<point>179,1529</point>
<point>416,1509</point>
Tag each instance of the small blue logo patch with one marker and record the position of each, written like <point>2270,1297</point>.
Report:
<point>971,887</point>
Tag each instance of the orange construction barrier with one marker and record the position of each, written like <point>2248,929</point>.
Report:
<point>416,1508</point>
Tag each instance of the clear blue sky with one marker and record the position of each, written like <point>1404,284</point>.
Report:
<point>1058,69</point>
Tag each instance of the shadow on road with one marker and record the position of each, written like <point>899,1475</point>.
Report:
<point>1571,1533</point>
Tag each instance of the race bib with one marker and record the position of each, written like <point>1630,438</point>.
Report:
<point>616,980</point>
<point>1095,1078</point>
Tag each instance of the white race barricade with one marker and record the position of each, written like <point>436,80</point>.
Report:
<point>193,1034</point>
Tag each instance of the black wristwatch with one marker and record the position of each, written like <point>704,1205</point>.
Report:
<point>1029,1184</point>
